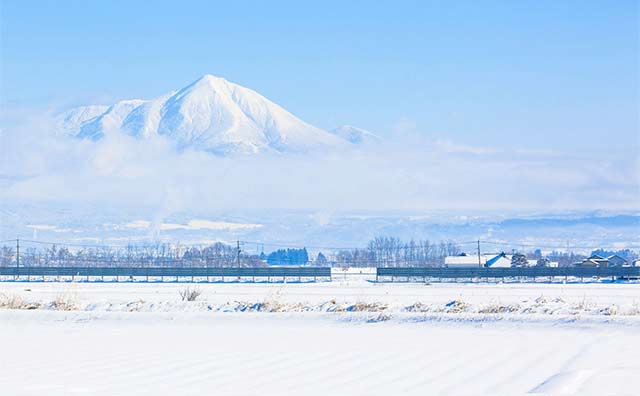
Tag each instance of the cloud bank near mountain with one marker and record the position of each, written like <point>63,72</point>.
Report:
<point>404,172</point>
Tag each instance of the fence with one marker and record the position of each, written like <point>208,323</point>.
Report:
<point>277,274</point>
<point>191,273</point>
<point>424,274</point>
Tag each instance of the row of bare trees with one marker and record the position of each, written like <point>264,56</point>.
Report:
<point>157,255</point>
<point>379,252</point>
<point>392,252</point>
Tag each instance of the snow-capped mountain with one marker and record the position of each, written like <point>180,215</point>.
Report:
<point>355,135</point>
<point>211,114</point>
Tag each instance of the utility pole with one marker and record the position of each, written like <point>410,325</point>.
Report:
<point>238,254</point>
<point>17,252</point>
<point>479,259</point>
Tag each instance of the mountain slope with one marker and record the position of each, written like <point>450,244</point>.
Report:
<point>211,114</point>
<point>71,121</point>
<point>355,135</point>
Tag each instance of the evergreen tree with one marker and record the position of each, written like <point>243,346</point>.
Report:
<point>519,260</point>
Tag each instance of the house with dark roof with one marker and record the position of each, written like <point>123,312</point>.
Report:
<point>617,261</point>
<point>594,261</point>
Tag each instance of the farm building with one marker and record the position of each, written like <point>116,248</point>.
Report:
<point>617,261</point>
<point>500,260</point>
<point>464,260</point>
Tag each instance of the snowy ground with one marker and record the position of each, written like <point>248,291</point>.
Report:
<point>353,338</point>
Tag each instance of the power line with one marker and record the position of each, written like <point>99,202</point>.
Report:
<point>548,246</point>
<point>129,245</point>
<point>543,245</point>
<point>296,245</point>
<point>72,244</point>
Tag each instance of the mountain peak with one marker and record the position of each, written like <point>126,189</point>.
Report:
<point>206,83</point>
<point>210,79</point>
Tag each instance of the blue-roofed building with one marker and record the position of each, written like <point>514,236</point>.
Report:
<point>500,260</point>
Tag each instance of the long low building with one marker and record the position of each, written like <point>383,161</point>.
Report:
<point>487,260</point>
<point>465,261</point>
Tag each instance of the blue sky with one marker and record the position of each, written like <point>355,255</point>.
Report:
<point>536,74</point>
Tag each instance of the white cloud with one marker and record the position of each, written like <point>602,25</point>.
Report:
<point>405,172</point>
<point>138,224</point>
<point>448,146</point>
<point>42,227</point>
<point>193,225</point>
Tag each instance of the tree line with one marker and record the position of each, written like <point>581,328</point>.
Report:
<point>379,252</point>
<point>393,252</point>
<point>157,255</point>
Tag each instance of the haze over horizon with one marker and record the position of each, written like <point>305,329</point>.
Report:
<point>520,109</point>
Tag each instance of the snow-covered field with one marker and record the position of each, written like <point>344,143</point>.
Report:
<point>342,338</point>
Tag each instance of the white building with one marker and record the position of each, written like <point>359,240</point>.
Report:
<point>464,261</point>
<point>499,260</point>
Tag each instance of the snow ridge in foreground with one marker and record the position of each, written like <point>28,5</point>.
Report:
<point>540,306</point>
